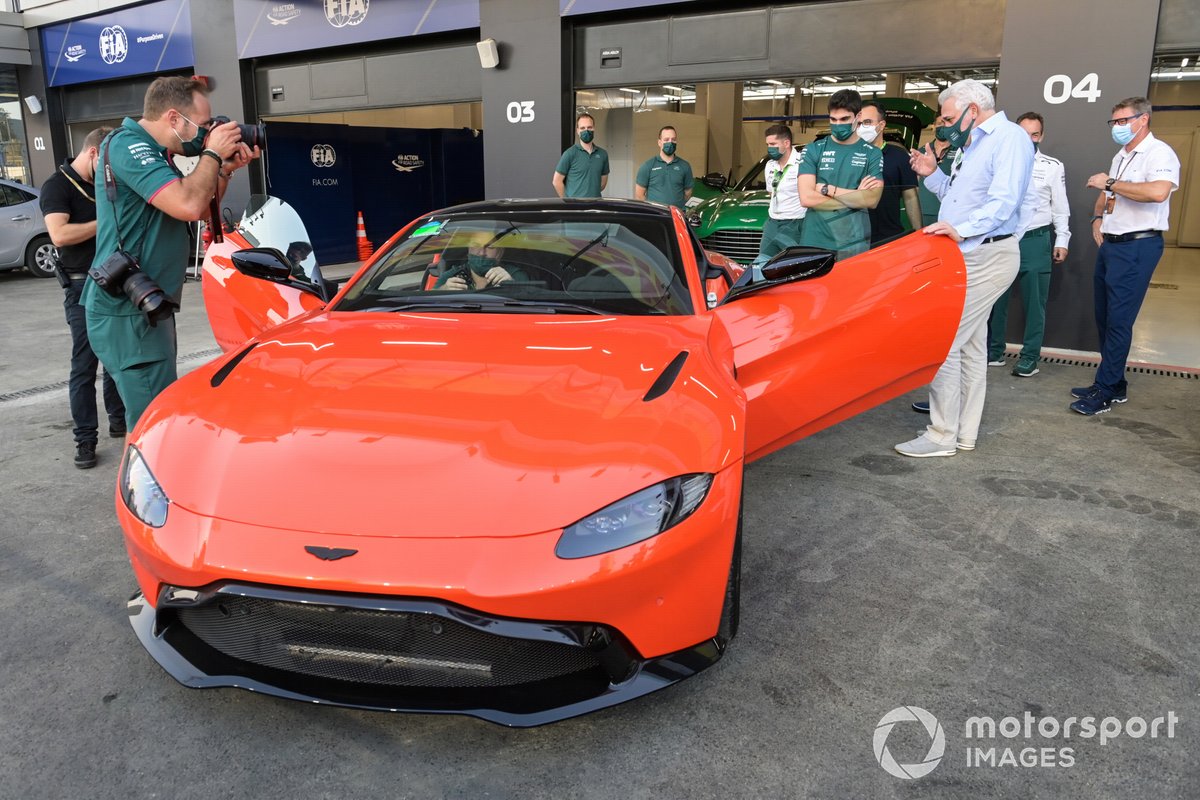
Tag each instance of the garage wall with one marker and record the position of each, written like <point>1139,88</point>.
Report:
<point>857,35</point>
<point>441,75</point>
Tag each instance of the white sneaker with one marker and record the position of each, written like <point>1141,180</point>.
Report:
<point>921,447</point>
<point>966,444</point>
<point>996,362</point>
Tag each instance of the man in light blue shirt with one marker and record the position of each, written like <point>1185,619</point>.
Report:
<point>981,200</point>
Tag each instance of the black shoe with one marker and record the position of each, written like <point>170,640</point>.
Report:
<point>85,455</point>
<point>921,407</point>
<point>1081,392</point>
<point>116,431</point>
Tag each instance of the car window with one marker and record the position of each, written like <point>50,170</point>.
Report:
<point>753,180</point>
<point>10,196</point>
<point>576,263</point>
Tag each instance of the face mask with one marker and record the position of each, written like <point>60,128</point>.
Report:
<point>952,134</point>
<point>480,264</point>
<point>774,153</point>
<point>867,133</point>
<point>1122,134</point>
<point>842,131</point>
<point>586,136</point>
<point>196,145</point>
<point>668,148</point>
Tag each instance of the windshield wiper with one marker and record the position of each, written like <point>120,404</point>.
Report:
<point>488,305</point>
<point>602,239</point>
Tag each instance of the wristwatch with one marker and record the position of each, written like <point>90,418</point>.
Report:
<point>825,189</point>
<point>1108,184</point>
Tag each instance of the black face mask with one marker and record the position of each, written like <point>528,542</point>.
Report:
<point>194,146</point>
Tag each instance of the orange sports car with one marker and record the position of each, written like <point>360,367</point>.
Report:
<point>499,471</point>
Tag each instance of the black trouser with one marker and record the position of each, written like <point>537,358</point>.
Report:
<point>83,374</point>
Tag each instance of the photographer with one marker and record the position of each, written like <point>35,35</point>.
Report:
<point>130,320</point>
<point>68,202</point>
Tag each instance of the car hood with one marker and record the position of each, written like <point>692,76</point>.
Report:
<point>441,425</point>
<point>732,210</point>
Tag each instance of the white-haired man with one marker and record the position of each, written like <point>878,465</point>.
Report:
<point>980,200</point>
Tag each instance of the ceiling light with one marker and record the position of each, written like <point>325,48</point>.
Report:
<point>676,88</point>
<point>1183,63</point>
<point>827,78</point>
<point>631,91</point>
<point>781,83</point>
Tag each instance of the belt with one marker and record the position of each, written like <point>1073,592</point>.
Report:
<point>1037,231</point>
<point>999,238</point>
<point>1129,237</point>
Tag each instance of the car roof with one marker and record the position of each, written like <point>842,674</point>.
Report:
<point>560,205</point>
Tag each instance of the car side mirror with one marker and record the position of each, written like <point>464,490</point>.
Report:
<point>268,264</point>
<point>793,264</point>
<point>715,180</point>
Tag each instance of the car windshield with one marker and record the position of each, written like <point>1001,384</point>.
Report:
<point>585,262</point>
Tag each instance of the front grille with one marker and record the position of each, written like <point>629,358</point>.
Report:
<point>739,245</point>
<point>381,647</point>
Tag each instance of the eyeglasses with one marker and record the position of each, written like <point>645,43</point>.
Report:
<point>1123,120</point>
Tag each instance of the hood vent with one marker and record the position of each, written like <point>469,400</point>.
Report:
<point>223,372</point>
<point>667,379</point>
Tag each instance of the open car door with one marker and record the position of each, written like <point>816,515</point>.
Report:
<point>239,306</point>
<point>811,352</point>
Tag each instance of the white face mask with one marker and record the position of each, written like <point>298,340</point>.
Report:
<point>867,133</point>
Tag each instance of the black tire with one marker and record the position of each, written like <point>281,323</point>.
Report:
<point>40,257</point>
<point>731,609</point>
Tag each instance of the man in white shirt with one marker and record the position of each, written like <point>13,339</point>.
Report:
<point>785,215</point>
<point>1045,202</point>
<point>1130,217</point>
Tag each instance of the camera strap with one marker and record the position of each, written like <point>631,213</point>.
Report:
<point>110,187</point>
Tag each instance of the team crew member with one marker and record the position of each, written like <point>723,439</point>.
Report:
<point>154,204</point>
<point>899,180</point>
<point>582,170</point>
<point>1045,202</point>
<point>68,201</point>
<point>666,178</point>
<point>841,177</point>
<point>944,154</point>
<point>981,199</point>
<point>1130,217</point>
<point>785,214</point>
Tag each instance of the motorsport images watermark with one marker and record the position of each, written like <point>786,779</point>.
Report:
<point>1044,741</point>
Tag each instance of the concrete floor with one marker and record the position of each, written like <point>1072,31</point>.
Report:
<point>1051,571</point>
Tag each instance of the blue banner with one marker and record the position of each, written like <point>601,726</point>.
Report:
<point>309,166</point>
<point>152,38</point>
<point>266,27</point>
<point>569,8</point>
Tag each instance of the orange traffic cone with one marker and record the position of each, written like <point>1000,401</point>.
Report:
<point>364,245</point>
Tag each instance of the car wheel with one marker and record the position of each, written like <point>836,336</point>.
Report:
<point>41,257</point>
<point>731,609</point>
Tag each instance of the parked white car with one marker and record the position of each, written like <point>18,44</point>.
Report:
<point>24,241</point>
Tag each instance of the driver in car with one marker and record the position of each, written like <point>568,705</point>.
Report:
<point>482,267</point>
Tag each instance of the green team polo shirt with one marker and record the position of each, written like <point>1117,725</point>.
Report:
<point>843,166</point>
<point>160,242</point>
<point>665,181</point>
<point>583,170</point>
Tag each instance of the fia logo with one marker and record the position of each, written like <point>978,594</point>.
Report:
<point>341,13</point>
<point>323,155</point>
<point>114,44</point>
<point>75,52</point>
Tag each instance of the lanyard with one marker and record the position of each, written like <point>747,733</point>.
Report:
<point>1125,162</point>
<point>76,185</point>
<point>958,159</point>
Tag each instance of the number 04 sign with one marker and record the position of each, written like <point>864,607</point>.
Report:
<point>1060,88</point>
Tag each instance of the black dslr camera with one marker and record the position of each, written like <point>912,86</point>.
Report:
<point>120,274</point>
<point>252,135</point>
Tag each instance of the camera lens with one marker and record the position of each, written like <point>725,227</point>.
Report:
<point>146,295</point>
<point>254,135</point>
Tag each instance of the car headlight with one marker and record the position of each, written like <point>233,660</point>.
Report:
<point>141,492</point>
<point>635,518</point>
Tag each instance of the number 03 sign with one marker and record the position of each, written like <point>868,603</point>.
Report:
<point>1060,88</point>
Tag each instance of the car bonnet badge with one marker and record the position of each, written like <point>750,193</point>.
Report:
<point>330,553</point>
